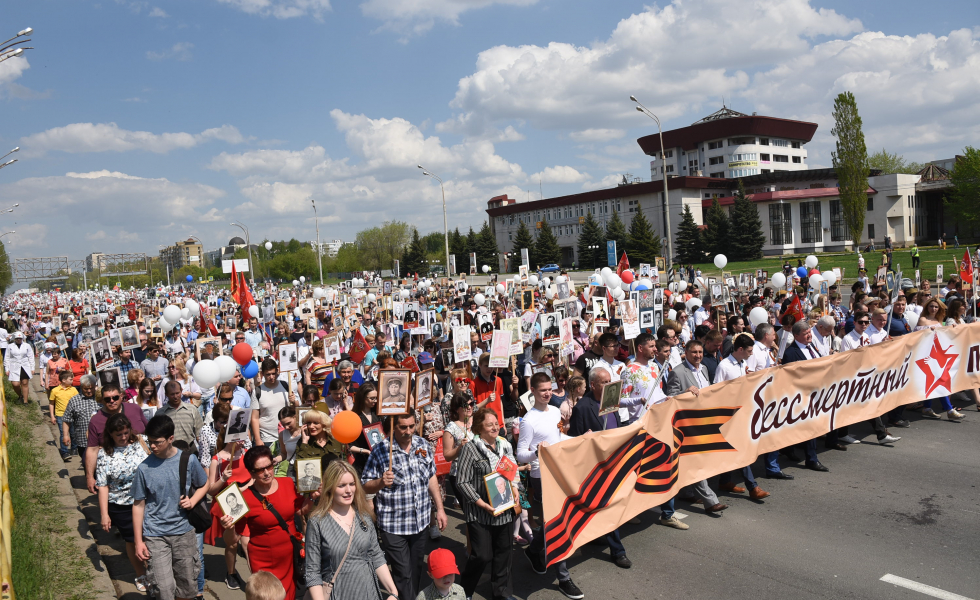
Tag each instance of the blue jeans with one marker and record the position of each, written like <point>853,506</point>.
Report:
<point>200,553</point>
<point>616,548</point>
<point>944,400</point>
<point>746,473</point>
<point>65,450</point>
<point>667,509</point>
<point>771,460</point>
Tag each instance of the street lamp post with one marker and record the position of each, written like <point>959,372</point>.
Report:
<point>248,244</point>
<point>663,162</point>
<point>445,221</point>
<point>592,250</point>
<point>319,259</point>
<point>204,256</point>
<point>7,49</point>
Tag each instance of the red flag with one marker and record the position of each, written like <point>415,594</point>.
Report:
<point>358,347</point>
<point>246,299</point>
<point>795,309</point>
<point>234,282</point>
<point>624,264</point>
<point>966,268</point>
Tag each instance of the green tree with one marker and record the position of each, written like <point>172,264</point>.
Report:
<point>964,198</point>
<point>893,163</point>
<point>717,234</point>
<point>642,245</point>
<point>615,230</point>
<point>591,244</point>
<point>413,260</point>
<point>381,246</point>
<point>348,259</point>
<point>546,248</point>
<point>486,249</point>
<point>688,244</point>
<point>746,236</point>
<point>851,164</point>
<point>523,239</point>
<point>6,273</point>
<point>457,246</point>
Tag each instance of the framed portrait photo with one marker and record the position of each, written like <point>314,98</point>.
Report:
<point>499,492</point>
<point>210,344</point>
<point>394,387</point>
<point>237,428</point>
<point>111,375</point>
<point>610,397</point>
<point>308,475</point>
<point>374,434</point>
<point>129,337</point>
<point>288,358</point>
<point>101,352</point>
<point>423,388</point>
<point>232,502</point>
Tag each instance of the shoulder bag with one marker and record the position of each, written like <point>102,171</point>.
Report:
<point>299,552</point>
<point>199,516</point>
<point>328,586</point>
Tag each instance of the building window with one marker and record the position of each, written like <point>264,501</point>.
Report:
<point>764,157</point>
<point>796,145</point>
<point>763,141</point>
<point>780,143</point>
<point>715,145</point>
<point>871,231</point>
<point>510,236</point>
<point>780,158</point>
<point>669,153</point>
<point>797,159</point>
<point>670,169</point>
<point>811,226</point>
<point>871,205</point>
<point>780,224</point>
<point>765,170</point>
<point>838,230</point>
<point>744,172</point>
<point>744,156</point>
<point>720,174</point>
<point>716,160</point>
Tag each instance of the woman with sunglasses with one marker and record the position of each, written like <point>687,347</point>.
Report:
<point>189,390</point>
<point>270,500</point>
<point>121,452</point>
<point>146,398</point>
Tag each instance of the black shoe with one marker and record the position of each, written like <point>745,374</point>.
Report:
<point>622,562</point>
<point>816,466</point>
<point>536,565</point>
<point>779,475</point>
<point>903,423</point>
<point>571,590</point>
<point>840,447</point>
<point>233,581</point>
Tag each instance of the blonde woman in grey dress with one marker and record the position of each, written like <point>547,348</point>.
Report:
<point>343,512</point>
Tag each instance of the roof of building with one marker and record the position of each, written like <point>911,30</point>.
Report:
<point>827,192</point>
<point>933,172</point>
<point>236,241</point>
<point>621,191</point>
<point>790,176</point>
<point>723,126</point>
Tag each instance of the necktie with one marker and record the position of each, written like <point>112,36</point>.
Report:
<point>810,349</point>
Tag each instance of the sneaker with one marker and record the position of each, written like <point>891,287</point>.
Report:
<point>675,523</point>
<point>929,413</point>
<point>233,581</point>
<point>141,583</point>
<point>902,424</point>
<point>537,566</point>
<point>848,439</point>
<point>434,533</point>
<point>889,439</point>
<point>568,587</point>
<point>954,415</point>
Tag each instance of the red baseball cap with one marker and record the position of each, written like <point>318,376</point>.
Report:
<point>442,562</point>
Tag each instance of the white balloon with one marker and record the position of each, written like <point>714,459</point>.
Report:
<point>618,294</point>
<point>721,260</point>
<point>560,279</point>
<point>185,313</point>
<point>815,280</point>
<point>371,298</point>
<point>318,293</point>
<point>778,281</point>
<point>912,317</point>
<point>549,293</point>
<point>172,313</point>
<point>693,303</point>
<point>302,279</point>
<point>758,315</point>
<point>604,272</point>
<point>501,288</point>
<point>297,312</point>
<point>681,285</point>
<point>295,282</point>
<point>268,245</point>
<point>253,311</point>
<point>699,281</point>
<point>533,280</point>
<point>672,314</point>
<point>624,286</point>
<point>165,325</point>
<point>811,261</point>
<point>614,281</point>
<point>486,268</point>
<point>480,299</point>
<point>226,367</point>
<point>194,308</point>
<point>207,374</point>
<point>647,282</point>
<point>517,278</point>
<point>405,293</point>
<point>830,277</point>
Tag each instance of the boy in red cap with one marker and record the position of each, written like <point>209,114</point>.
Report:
<point>443,571</point>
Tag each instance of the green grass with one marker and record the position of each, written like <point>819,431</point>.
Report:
<point>47,563</point>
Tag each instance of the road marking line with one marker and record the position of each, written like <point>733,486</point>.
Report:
<point>922,588</point>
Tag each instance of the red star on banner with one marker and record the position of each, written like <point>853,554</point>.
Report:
<point>945,361</point>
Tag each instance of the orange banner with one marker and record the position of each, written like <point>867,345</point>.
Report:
<point>594,483</point>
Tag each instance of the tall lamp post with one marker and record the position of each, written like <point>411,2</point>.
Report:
<point>592,251</point>
<point>663,162</point>
<point>445,221</point>
<point>248,244</point>
<point>7,49</point>
<point>319,259</point>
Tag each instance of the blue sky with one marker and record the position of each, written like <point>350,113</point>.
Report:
<point>141,122</point>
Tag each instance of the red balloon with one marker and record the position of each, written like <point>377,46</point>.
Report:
<point>627,277</point>
<point>242,353</point>
<point>814,271</point>
<point>346,427</point>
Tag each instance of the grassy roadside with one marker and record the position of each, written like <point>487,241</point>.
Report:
<point>47,564</point>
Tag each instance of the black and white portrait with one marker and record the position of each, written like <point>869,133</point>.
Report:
<point>111,375</point>
<point>237,430</point>
<point>563,290</point>
<point>101,353</point>
<point>551,333</point>
<point>130,337</point>
<point>393,385</point>
<point>232,502</point>
<point>423,386</point>
<point>288,358</point>
<point>308,475</point>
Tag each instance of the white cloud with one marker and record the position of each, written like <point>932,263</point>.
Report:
<point>179,51</point>
<point>28,235</point>
<point>158,12</point>
<point>418,16</point>
<point>109,137</point>
<point>560,174</point>
<point>282,9</point>
<point>10,71</point>
<point>597,135</point>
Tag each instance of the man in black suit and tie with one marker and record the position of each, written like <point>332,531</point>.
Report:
<point>802,349</point>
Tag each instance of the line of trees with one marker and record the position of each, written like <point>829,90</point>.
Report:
<point>738,235</point>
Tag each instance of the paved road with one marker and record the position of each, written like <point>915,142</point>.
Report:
<point>911,511</point>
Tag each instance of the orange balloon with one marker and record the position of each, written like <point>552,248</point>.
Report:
<point>346,427</point>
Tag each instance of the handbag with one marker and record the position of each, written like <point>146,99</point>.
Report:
<point>299,552</point>
<point>200,515</point>
<point>328,587</point>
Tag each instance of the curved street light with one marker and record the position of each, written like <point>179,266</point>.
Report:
<point>248,243</point>
<point>445,221</point>
<point>204,256</point>
<point>319,258</point>
<point>663,161</point>
<point>6,47</point>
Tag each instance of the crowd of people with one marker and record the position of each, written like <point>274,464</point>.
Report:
<point>177,465</point>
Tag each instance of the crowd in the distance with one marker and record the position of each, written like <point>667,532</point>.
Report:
<point>153,443</point>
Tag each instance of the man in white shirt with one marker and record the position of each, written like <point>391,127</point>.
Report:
<point>641,379</point>
<point>610,347</point>
<point>823,334</point>
<point>761,357</point>
<point>539,429</point>
<point>858,337</point>
<point>878,330</point>
<point>733,367</point>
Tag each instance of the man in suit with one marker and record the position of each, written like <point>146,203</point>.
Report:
<point>803,349</point>
<point>585,418</point>
<point>691,376</point>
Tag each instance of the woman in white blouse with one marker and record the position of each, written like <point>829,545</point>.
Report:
<point>19,364</point>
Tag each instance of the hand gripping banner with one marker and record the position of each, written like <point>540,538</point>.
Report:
<point>594,483</point>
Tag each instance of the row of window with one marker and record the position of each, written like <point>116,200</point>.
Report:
<point>744,172</point>
<point>601,207</point>
<point>745,156</point>
<point>811,223</point>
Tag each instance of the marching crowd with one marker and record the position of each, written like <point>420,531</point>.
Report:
<point>152,438</point>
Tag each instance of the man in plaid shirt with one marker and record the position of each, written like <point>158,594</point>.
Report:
<point>406,490</point>
<point>78,413</point>
<point>124,360</point>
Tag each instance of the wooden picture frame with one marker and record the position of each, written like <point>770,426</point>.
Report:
<point>374,434</point>
<point>232,502</point>
<point>501,495</point>
<point>394,391</point>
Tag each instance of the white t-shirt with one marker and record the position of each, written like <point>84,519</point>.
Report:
<point>759,359</point>
<point>854,340</point>
<point>537,426</point>
<point>269,402</point>
<point>730,368</point>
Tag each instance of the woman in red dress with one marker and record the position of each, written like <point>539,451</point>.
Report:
<point>269,547</point>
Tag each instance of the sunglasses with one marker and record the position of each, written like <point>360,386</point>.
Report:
<point>466,381</point>
<point>257,470</point>
<point>110,398</point>
<point>863,322</point>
